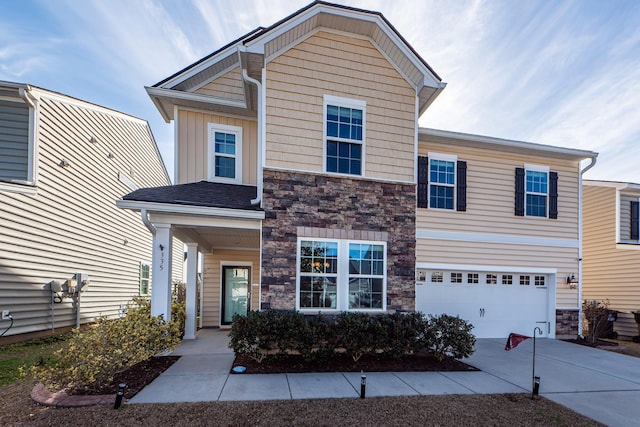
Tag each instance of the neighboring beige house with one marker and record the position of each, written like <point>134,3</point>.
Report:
<point>63,163</point>
<point>304,180</point>
<point>611,258</point>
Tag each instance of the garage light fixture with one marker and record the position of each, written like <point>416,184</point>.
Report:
<point>572,281</point>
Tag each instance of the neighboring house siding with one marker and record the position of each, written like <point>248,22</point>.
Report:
<point>229,85</point>
<point>213,281</point>
<point>72,224</point>
<point>193,140</point>
<point>490,215</point>
<point>331,64</point>
<point>610,272</point>
<point>14,141</point>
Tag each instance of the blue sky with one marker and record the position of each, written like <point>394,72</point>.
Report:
<point>563,73</point>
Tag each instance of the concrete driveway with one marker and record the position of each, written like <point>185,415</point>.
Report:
<point>602,385</point>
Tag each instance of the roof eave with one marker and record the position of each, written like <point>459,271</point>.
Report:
<point>172,208</point>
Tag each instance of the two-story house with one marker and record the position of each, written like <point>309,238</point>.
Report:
<point>63,163</point>
<point>304,180</point>
<point>611,236</point>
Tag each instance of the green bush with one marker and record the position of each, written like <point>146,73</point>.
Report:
<point>96,354</point>
<point>263,334</point>
<point>449,336</point>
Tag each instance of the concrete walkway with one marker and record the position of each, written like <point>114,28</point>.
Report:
<point>602,385</point>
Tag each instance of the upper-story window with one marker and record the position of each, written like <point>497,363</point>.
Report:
<point>344,135</point>
<point>442,182</point>
<point>536,192</point>
<point>16,142</point>
<point>225,153</point>
<point>629,220</point>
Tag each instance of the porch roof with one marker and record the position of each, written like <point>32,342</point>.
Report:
<point>202,193</point>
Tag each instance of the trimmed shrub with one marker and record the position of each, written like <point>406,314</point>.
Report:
<point>262,334</point>
<point>96,354</point>
<point>596,313</point>
<point>449,336</point>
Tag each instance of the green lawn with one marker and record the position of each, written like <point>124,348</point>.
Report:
<point>29,353</point>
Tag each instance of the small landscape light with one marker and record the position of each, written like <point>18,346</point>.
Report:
<point>363,385</point>
<point>536,385</point>
<point>119,395</point>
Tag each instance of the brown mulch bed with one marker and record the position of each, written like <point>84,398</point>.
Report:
<point>136,377</point>
<point>421,361</point>
<point>596,344</point>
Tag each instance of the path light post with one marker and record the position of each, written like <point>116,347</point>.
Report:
<point>119,395</point>
<point>535,385</point>
<point>363,385</point>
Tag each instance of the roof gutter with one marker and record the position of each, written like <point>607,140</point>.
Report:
<point>27,96</point>
<point>594,158</point>
<point>245,76</point>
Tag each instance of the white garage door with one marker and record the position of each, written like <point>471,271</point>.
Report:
<point>496,304</point>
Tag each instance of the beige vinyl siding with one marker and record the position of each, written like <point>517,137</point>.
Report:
<point>337,65</point>
<point>72,224</point>
<point>212,279</point>
<point>229,85</point>
<point>491,195</point>
<point>609,272</point>
<point>193,142</point>
<point>625,217</point>
<point>530,257</point>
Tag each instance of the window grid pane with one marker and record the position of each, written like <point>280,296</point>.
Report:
<point>344,157</point>
<point>507,279</point>
<point>442,180</point>
<point>456,277</point>
<point>225,167</point>
<point>536,186</point>
<point>344,122</point>
<point>525,280</point>
<point>366,260</point>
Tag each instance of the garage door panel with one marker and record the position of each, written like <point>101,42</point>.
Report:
<point>495,310</point>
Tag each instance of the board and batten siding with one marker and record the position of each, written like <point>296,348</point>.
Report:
<point>611,272</point>
<point>72,224</point>
<point>490,215</point>
<point>338,65</point>
<point>229,85</point>
<point>14,140</point>
<point>212,281</point>
<point>193,141</point>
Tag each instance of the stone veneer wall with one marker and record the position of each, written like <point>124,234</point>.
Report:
<point>316,205</point>
<point>567,323</point>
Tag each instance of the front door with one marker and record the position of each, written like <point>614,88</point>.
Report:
<point>235,292</point>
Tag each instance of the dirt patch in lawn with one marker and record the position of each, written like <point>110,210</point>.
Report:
<point>418,362</point>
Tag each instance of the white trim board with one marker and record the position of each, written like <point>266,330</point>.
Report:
<point>484,268</point>
<point>496,238</point>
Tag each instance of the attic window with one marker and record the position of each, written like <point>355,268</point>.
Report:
<point>225,153</point>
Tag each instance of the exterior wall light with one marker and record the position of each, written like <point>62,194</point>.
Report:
<point>93,140</point>
<point>572,281</point>
<point>64,163</point>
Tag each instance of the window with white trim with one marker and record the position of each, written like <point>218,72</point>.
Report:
<point>144,279</point>
<point>225,153</point>
<point>17,163</point>
<point>539,281</point>
<point>442,181</point>
<point>341,275</point>
<point>344,130</point>
<point>472,278</point>
<point>525,280</point>
<point>536,191</point>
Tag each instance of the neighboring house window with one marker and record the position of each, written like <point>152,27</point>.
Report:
<point>225,153</point>
<point>507,279</point>
<point>442,182</point>
<point>634,223</point>
<point>144,279</point>
<point>456,277</point>
<point>342,275</point>
<point>536,192</point>
<point>492,279</point>
<point>16,142</point>
<point>629,219</point>
<point>344,131</point>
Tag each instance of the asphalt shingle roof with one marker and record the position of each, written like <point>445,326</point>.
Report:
<point>203,193</point>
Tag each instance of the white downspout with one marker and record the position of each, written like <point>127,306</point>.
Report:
<point>582,172</point>
<point>245,76</point>
<point>145,219</point>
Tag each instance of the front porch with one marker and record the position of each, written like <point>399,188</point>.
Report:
<point>220,227</point>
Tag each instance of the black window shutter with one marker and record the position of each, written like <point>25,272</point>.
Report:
<point>634,221</point>
<point>519,192</point>
<point>461,186</point>
<point>553,195</point>
<point>423,181</point>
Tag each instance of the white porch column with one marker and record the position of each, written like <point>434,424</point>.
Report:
<point>161,273</point>
<point>191,296</point>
